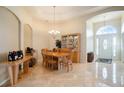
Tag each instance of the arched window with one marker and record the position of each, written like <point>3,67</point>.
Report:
<point>106,30</point>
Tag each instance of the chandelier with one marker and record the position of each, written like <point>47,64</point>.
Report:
<point>54,32</point>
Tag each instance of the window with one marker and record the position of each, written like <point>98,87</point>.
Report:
<point>114,46</point>
<point>97,46</point>
<point>105,44</point>
<point>106,30</point>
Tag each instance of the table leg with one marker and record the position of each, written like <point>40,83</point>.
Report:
<point>15,73</point>
<point>26,67</point>
<point>10,70</point>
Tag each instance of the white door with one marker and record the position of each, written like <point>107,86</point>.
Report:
<point>105,46</point>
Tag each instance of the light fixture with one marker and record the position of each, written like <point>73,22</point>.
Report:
<point>104,25</point>
<point>54,32</point>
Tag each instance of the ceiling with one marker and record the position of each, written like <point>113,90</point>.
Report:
<point>106,16</point>
<point>61,12</point>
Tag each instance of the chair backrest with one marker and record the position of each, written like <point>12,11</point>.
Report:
<point>58,49</point>
<point>46,57</point>
<point>54,50</point>
<point>50,58</point>
<point>44,50</point>
<point>67,50</point>
<point>65,60</point>
<point>43,55</point>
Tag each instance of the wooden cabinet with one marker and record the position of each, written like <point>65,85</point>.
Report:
<point>72,41</point>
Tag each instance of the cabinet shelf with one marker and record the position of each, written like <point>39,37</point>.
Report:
<point>72,41</point>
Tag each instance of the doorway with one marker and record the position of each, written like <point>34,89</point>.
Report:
<point>106,43</point>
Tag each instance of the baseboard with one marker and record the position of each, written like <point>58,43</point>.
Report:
<point>5,83</point>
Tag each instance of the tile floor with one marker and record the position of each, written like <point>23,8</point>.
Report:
<point>83,75</point>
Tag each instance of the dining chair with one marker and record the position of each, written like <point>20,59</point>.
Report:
<point>59,50</point>
<point>66,63</point>
<point>45,63</point>
<point>46,60</point>
<point>43,52</point>
<point>52,64</point>
<point>54,50</point>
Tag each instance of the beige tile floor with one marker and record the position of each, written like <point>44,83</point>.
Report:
<point>83,75</point>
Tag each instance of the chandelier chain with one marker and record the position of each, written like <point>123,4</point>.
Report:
<point>54,16</point>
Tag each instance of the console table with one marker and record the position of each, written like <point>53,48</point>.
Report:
<point>13,68</point>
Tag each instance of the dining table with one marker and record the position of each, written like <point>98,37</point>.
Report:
<point>57,55</point>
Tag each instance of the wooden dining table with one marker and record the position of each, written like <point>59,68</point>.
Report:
<point>57,55</point>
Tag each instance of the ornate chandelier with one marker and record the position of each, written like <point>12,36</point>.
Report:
<point>54,32</point>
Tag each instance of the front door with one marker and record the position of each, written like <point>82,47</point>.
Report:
<point>105,47</point>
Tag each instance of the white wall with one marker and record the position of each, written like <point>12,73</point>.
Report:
<point>24,17</point>
<point>39,29</point>
<point>122,38</point>
<point>9,33</point>
<point>9,39</point>
<point>27,36</point>
<point>40,37</point>
<point>90,38</point>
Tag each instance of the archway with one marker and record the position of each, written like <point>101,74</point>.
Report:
<point>9,38</point>
<point>104,35</point>
<point>9,32</point>
<point>106,43</point>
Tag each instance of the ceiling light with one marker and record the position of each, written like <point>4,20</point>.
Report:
<point>54,32</point>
